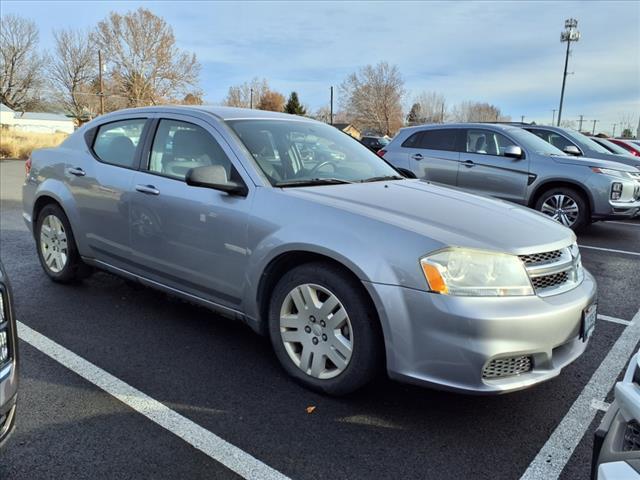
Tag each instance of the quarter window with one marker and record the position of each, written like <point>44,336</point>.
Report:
<point>487,142</point>
<point>116,142</point>
<point>180,146</point>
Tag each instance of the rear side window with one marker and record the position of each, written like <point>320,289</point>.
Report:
<point>180,146</point>
<point>116,142</point>
<point>440,139</point>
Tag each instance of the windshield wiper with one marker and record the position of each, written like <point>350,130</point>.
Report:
<point>303,182</point>
<point>382,178</point>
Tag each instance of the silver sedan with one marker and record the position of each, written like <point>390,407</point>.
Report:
<point>348,267</point>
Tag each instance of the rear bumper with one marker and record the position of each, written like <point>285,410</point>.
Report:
<point>446,341</point>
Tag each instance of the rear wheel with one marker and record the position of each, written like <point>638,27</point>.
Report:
<point>56,246</point>
<point>323,329</point>
<point>566,206</point>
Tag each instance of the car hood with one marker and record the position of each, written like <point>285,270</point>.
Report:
<point>446,215</point>
<point>596,162</point>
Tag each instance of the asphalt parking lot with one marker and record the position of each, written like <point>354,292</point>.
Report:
<point>240,415</point>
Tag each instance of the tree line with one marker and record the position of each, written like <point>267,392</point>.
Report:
<point>142,65</point>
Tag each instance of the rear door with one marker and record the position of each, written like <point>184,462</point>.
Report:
<point>189,238</point>
<point>101,188</point>
<point>433,154</point>
<point>484,169</point>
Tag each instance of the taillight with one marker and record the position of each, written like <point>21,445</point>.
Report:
<point>381,152</point>
<point>27,166</point>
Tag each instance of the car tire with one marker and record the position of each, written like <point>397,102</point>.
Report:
<point>325,333</point>
<point>565,200</point>
<point>56,246</point>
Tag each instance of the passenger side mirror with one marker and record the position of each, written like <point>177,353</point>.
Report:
<point>215,177</point>
<point>513,151</point>
<point>572,150</point>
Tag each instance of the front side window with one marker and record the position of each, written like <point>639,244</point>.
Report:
<point>116,142</point>
<point>487,142</point>
<point>293,153</point>
<point>180,146</point>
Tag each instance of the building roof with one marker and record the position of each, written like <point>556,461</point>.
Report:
<point>43,116</point>
<point>4,108</point>
<point>342,126</point>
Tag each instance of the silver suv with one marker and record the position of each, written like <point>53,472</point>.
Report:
<point>346,265</point>
<point>508,162</point>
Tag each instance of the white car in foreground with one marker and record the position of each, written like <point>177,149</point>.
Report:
<point>616,447</point>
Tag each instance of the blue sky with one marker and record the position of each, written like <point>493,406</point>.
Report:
<point>506,53</point>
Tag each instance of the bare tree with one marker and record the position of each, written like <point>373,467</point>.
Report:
<point>20,63</point>
<point>569,124</point>
<point>272,100</point>
<point>469,111</point>
<point>192,98</point>
<point>73,70</point>
<point>372,97</point>
<point>247,94</point>
<point>145,63</point>
<point>432,107</point>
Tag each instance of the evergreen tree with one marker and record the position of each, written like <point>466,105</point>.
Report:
<point>414,114</point>
<point>294,106</point>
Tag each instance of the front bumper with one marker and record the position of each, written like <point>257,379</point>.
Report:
<point>446,341</point>
<point>619,210</point>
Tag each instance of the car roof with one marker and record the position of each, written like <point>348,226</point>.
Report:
<point>222,113</point>
<point>438,126</point>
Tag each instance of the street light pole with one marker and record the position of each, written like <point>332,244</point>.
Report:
<point>580,124</point>
<point>251,98</point>
<point>614,130</point>
<point>593,132</point>
<point>553,119</point>
<point>331,106</point>
<point>570,34</point>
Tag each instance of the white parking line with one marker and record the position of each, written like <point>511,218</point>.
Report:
<point>210,444</point>
<point>600,405</point>
<point>624,223</point>
<point>555,453</point>
<point>614,320</point>
<point>613,250</point>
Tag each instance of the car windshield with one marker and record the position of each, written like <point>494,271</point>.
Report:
<point>296,153</point>
<point>533,142</point>
<point>612,147</point>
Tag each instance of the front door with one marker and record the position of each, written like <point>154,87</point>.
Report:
<point>193,239</point>
<point>486,170</point>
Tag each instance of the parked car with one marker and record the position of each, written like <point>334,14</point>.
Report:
<point>374,143</point>
<point>578,144</point>
<point>610,146</point>
<point>509,163</point>
<point>616,446</point>
<point>630,146</point>
<point>8,360</point>
<point>346,265</point>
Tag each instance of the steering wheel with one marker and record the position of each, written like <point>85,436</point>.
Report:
<point>322,164</point>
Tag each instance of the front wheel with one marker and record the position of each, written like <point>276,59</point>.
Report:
<point>323,329</point>
<point>566,206</point>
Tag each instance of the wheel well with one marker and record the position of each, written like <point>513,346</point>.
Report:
<point>42,202</point>
<point>285,262</point>
<point>551,185</point>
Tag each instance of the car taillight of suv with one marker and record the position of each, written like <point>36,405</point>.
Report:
<point>27,167</point>
<point>381,153</point>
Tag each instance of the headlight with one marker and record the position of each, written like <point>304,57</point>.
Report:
<point>611,173</point>
<point>475,273</point>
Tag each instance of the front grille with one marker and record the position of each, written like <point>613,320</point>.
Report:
<point>550,281</point>
<point>541,258</point>
<point>631,441</point>
<point>507,367</point>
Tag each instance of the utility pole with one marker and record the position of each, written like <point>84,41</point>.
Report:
<point>614,130</point>
<point>251,98</point>
<point>442,114</point>
<point>331,105</point>
<point>521,118</point>
<point>593,132</point>
<point>101,84</point>
<point>553,119</point>
<point>580,124</point>
<point>570,34</point>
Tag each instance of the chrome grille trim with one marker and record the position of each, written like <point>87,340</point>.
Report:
<point>553,272</point>
<point>631,439</point>
<point>507,367</point>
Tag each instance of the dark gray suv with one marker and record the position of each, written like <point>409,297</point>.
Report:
<point>508,162</point>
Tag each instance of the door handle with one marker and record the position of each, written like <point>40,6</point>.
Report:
<point>78,172</point>
<point>468,163</point>
<point>148,189</point>
<point>417,156</point>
